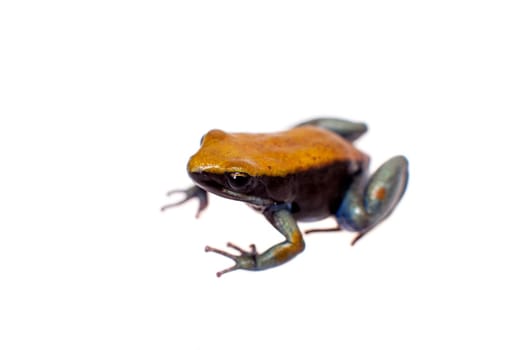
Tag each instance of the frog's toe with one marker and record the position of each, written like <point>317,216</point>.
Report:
<point>357,237</point>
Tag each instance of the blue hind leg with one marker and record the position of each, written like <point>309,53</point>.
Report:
<point>367,203</point>
<point>345,128</point>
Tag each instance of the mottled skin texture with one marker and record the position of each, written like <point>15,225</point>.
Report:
<point>306,173</point>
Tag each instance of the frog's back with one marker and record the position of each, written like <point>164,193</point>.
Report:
<point>275,154</point>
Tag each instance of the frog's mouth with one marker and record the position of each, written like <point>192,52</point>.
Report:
<point>218,184</point>
<point>255,201</point>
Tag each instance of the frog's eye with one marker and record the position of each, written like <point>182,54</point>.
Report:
<point>238,181</point>
<point>202,139</point>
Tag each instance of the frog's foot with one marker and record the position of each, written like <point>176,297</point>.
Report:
<point>247,260</point>
<point>189,193</point>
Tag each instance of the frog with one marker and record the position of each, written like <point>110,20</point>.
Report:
<point>306,173</point>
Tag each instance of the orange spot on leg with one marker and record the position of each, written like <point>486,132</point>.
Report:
<point>380,193</point>
<point>289,249</point>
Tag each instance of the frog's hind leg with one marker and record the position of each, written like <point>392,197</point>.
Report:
<point>351,131</point>
<point>367,203</point>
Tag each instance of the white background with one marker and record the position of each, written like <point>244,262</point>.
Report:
<point>102,103</point>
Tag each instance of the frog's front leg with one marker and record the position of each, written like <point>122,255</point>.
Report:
<point>189,193</point>
<point>281,218</point>
<point>366,204</point>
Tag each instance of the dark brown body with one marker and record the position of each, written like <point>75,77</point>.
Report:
<point>313,194</point>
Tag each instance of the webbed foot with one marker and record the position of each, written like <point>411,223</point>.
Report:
<point>246,260</point>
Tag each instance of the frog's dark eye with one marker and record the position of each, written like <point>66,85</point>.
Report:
<point>202,139</point>
<point>238,181</point>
